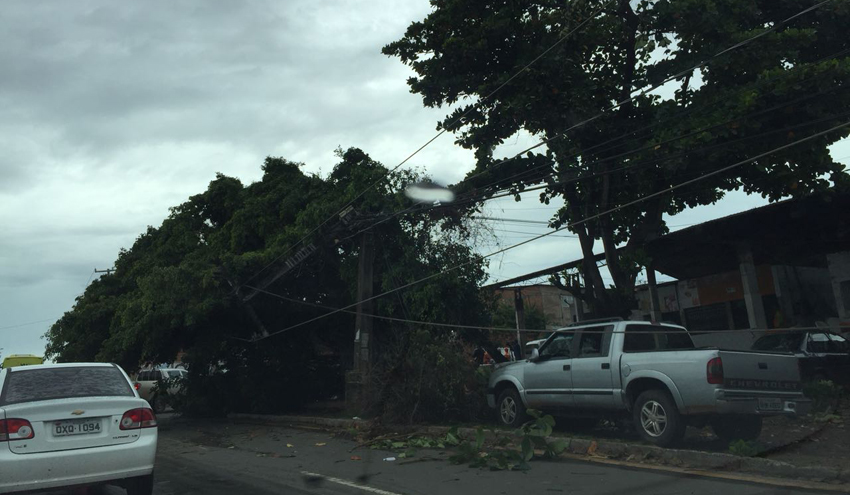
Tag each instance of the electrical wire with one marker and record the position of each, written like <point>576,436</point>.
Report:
<point>27,324</point>
<point>573,224</point>
<point>506,329</point>
<point>630,166</point>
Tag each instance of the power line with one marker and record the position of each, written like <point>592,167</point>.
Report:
<point>506,329</point>
<point>650,126</point>
<point>630,166</point>
<point>573,224</point>
<point>509,220</point>
<point>28,324</point>
<point>534,233</point>
<point>427,143</point>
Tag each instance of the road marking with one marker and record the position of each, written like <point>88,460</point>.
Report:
<point>350,484</point>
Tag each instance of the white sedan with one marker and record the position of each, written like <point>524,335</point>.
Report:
<point>74,424</point>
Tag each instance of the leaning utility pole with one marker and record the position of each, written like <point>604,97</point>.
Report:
<point>519,308</point>
<point>357,378</point>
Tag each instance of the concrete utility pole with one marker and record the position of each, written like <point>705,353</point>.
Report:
<point>364,323</point>
<point>519,308</point>
<point>356,379</point>
<point>654,305</point>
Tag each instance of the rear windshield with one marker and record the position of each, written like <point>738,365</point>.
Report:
<point>645,338</point>
<point>781,342</point>
<point>59,383</point>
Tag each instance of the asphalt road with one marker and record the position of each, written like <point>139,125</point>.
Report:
<point>213,458</point>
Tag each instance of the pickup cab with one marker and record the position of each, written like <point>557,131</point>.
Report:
<point>652,373</point>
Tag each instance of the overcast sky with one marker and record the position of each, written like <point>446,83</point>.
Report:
<point>114,111</point>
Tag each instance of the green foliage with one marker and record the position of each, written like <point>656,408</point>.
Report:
<point>427,375</point>
<point>786,85</point>
<point>173,290</point>
<point>533,435</point>
<point>825,396</point>
<point>744,448</point>
<point>504,316</point>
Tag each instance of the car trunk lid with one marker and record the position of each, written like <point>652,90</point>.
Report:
<point>79,423</point>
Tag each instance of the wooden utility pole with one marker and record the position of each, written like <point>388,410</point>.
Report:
<point>519,308</point>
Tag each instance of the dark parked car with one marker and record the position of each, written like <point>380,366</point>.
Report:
<point>823,355</point>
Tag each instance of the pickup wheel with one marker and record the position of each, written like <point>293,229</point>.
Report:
<point>729,428</point>
<point>510,408</point>
<point>657,418</point>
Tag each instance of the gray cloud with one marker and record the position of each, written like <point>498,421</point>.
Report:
<point>115,111</point>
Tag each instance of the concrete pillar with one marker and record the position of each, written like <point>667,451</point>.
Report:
<point>752,296</point>
<point>785,292</point>
<point>730,318</point>
<point>839,275</point>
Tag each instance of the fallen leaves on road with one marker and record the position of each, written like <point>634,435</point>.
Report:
<point>356,458</point>
<point>290,446</point>
<point>320,444</point>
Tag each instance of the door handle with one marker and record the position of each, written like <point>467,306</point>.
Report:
<point>566,367</point>
<point>606,366</point>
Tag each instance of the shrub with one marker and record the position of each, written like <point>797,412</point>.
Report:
<point>744,448</point>
<point>824,394</point>
<point>428,377</point>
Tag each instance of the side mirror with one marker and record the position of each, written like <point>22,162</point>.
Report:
<point>535,355</point>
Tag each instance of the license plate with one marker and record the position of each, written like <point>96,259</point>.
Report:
<point>77,427</point>
<point>770,404</point>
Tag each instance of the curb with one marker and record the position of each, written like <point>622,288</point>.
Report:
<point>605,449</point>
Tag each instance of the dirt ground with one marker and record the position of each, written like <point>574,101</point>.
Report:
<point>829,447</point>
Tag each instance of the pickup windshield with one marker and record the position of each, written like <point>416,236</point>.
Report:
<point>647,338</point>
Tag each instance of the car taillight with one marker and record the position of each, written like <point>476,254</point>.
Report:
<point>137,385</point>
<point>15,429</point>
<point>714,371</point>
<point>138,418</point>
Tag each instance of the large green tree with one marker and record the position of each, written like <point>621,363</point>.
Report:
<point>785,85</point>
<point>173,290</point>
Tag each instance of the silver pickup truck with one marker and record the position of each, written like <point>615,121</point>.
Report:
<point>653,372</point>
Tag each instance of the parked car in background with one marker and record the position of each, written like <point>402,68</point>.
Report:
<point>13,360</point>
<point>150,384</point>
<point>74,424</point>
<point>653,373</point>
<point>823,355</point>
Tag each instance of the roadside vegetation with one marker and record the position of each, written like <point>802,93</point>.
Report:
<point>174,291</point>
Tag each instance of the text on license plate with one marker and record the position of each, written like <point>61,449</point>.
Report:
<point>81,427</point>
<point>770,404</point>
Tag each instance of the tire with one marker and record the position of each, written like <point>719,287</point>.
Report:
<point>142,485</point>
<point>657,419</point>
<point>730,428</point>
<point>510,410</point>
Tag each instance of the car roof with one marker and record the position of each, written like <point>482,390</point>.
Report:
<point>59,365</point>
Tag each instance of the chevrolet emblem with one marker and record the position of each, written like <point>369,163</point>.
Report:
<point>77,412</point>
